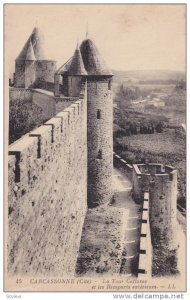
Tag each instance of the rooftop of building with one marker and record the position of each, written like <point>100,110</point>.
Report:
<point>85,61</point>
<point>93,62</point>
<point>76,66</point>
<point>34,47</point>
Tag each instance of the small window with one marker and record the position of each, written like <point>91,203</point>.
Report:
<point>99,154</point>
<point>98,114</point>
<point>109,85</point>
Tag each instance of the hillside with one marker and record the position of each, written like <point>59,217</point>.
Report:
<point>148,75</point>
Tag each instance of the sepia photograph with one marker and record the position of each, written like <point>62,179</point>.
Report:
<point>95,147</point>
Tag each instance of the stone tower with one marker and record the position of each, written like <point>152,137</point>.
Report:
<point>32,68</point>
<point>73,74</point>
<point>161,183</point>
<point>25,67</point>
<point>30,75</point>
<point>99,125</point>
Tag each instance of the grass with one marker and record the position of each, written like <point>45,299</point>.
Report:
<point>102,241</point>
<point>159,143</point>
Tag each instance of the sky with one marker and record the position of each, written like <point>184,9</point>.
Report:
<point>129,37</point>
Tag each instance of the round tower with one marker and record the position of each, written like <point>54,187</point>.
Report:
<point>76,72</point>
<point>99,125</point>
<point>45,68</point>
<point>30,67</point>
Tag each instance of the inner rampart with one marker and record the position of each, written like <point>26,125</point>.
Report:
<point>50,104</point>
<point>47,194</point>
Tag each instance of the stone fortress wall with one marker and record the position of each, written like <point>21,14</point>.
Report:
<point>47,198</point>
<point>67,163</point>
<point>161,183</point>
<point>46,100</point>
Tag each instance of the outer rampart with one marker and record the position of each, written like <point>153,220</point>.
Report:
<point>161,183</point>
<point>47,194</point>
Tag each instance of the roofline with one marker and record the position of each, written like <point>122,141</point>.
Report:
<point>63,66</point>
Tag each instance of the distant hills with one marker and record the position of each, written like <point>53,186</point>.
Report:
<point>148,75</point>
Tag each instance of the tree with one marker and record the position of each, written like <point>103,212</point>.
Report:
<point>23,117</point>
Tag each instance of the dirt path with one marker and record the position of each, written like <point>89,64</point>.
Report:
<point>130,255</point>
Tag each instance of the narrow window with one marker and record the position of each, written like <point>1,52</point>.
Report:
<point>109,85</point>
<point>98,114</point>
<point>99,154</point>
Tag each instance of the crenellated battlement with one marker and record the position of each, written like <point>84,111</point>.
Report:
<point>41,143</point>
<point>161,183</point>
<point>47,199</point>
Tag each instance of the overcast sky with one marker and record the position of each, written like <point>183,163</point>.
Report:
<point>129,37</point>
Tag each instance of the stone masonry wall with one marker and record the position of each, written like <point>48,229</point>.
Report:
<point>30,70</point>
<point>100,141</point>
<point>50,104</point>
<point>162,188</point>
<point>46,101</point>
<point>20,93</point>
<point>47,195</point>
<point>45,70</point>
<point>163,207</point>
<point>20,74</point>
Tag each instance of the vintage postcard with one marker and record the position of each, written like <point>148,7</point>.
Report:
<point>95,147</point>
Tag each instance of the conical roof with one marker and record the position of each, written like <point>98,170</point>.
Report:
<point>30,52</point>
<point>37,41</point>
<point>93,62</point>
<point>77,66</point>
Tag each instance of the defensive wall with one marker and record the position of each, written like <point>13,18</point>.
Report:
<point>145,249</point>
<point>47,198</point>
<point>46,100</point>
<point>121,163</point>
<point>161,183</point>
<point>155,188</point>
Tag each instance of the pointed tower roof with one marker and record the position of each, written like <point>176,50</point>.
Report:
<point>30,52</point>
<point>93,62</point>
<point>77,66</point>
<point>37,39</point>
<point>37,42</point>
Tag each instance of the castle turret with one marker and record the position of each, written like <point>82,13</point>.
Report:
<point>75,74</point>
<point>41,71</point>
<point>161,183</point>
<point>99,125</point>
<point>30,66</point>
<point>45,67</point>
<point>25,67</point>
